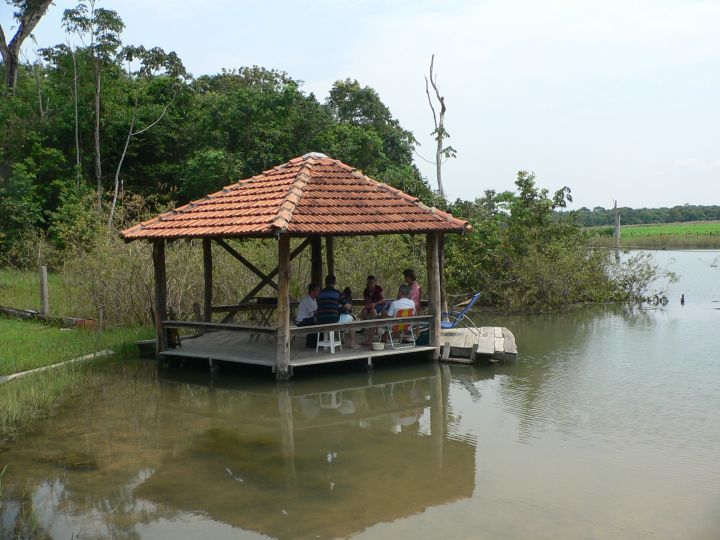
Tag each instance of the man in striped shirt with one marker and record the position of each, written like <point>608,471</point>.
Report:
<point>330,309</point>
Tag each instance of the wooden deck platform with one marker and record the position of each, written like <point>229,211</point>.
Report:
<point>247,348</point>
<point>461,345</point>
<point>466,345</point>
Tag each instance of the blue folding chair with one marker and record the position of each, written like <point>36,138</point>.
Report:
<point>457,318</point>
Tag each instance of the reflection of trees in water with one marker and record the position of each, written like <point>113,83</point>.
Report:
<point>79,468</point>
<point>90,469</point>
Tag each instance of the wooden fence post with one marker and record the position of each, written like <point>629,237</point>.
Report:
<point>44,293</point>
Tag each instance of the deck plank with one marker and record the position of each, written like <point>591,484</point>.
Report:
<point>485,345</point>
<point>510,347</point>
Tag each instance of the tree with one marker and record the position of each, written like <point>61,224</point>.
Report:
<point>28,14</point>
<point>103,28</point>
<point>20,209</point>
<point>56,55</point>
<point>442,152</point>
<point>153,62</point>
<point>361,108</point>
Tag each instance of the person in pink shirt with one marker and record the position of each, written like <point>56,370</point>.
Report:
<point>415,290</point>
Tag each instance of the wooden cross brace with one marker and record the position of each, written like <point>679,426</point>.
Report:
<point>264,279</point>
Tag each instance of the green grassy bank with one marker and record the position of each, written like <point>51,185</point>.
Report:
<point>20,289</point>
<point>27,345</point>
<point>689,235</point>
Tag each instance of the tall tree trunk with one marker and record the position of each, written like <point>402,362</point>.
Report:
<point>11,51</point>
<point>11,67</point>
<point>78,170</point>
<point>98,163</point>
<point>38,86</point>
<point>438,163</point>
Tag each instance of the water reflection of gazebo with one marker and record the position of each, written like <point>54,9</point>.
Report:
<point>299,203</point>
<point>324,471</point>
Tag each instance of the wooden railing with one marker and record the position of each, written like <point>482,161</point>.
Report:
<point>220,326</point>
<point>299,330</point>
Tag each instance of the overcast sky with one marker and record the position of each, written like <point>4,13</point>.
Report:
<point>616,99</point>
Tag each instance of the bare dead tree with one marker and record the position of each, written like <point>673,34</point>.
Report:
<point>132,132</point>
<point>442,152</point>
<point>152,62</point>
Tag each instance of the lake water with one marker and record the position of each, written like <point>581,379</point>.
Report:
<point>606,426</point>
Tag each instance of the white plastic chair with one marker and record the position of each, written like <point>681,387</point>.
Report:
<point>330,341</point>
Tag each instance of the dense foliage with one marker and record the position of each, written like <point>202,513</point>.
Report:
<point>599,216</point>
<point>524,254</point>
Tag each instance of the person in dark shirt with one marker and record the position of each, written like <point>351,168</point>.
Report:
<point>328,302</point>
<point>374,299</point>
<point>332,307</point>
<point>346,301</point>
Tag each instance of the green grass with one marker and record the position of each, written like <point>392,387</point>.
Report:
<point>20,289</point>
<point>27,345</point>
<point>694,234</point>
<point>24,400</point>
<point>695,228</point>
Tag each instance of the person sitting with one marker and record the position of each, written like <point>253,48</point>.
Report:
<point>403,302</point>
<point>374,299</point>
<point>415,290</point>
<point>330,309</point>
<point>305,315</point>
<point>346,301</point>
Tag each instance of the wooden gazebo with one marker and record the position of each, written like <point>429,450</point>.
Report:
<point>310,197</point>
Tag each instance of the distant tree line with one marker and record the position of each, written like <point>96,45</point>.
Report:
<point>599,216</point>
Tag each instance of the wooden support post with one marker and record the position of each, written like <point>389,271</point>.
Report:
<point>434,305</point>
<point>330,254</point>
<point>316,264</point>
<point>283,309</point>
<point>198,316</point>
<point>207,279</point>
<point>44,293</point>
<point>441,259</point>
<point>160,309</point>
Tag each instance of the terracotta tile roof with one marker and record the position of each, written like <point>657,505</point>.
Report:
<point>312,194</point>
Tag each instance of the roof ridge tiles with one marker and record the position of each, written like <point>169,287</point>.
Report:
<point>291,200</point>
